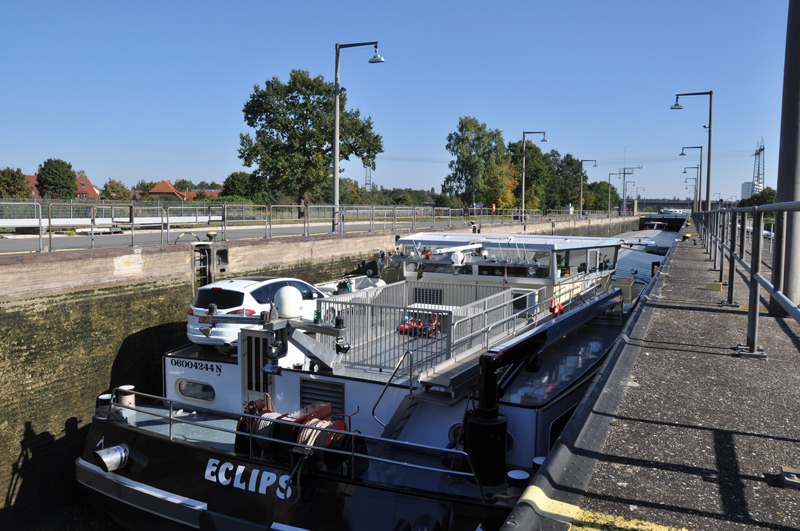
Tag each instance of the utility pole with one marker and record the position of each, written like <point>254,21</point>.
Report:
<point>785,261</point>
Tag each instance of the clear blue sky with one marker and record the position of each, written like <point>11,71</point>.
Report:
<point>154,90</point>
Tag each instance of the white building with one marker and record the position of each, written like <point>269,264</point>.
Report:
<point>750,189</point>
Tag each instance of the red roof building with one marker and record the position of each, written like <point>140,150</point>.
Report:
<point>164,189</point>
<point>32,181</point>
<point>84,189</point>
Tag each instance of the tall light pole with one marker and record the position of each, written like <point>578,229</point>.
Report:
<point>698,181</point>
<point>678,106</point>
<point>609,193</point>
<point>637,191</point>
<point>633,183</point>
<point>336,92</point>
<point>699,185</point>
<point>580,205</point>
<point>544,139</point>
<point>694,187</point>
<point>622,173</point>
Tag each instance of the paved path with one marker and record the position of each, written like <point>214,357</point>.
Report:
<point>700,434</point>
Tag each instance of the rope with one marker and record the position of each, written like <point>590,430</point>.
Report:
<point>308,436</point>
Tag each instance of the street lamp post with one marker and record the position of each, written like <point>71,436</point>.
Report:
<point>625,199</point>
<point>580,205</point>
<point>637,191</point>
<point>693,185</point>
<point>336,92</point>
<point>699,185</point>
<point>609,193</point>
<point>622,173</point>
<point>544,139</point>
<point>698,181</point>
<point>678,106</point>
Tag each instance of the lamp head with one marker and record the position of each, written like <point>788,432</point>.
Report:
<point>682,154</point>
<point>376,58</point>
<point>677,105</point>
<point>594,165</point>
<point>544,138</point>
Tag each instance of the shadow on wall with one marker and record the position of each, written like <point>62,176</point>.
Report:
<point>138,361</point>
<point>42,493</point>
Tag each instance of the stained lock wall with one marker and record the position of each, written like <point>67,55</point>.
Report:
<point>75,324</point>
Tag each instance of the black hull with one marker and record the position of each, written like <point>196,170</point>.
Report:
<point>170,489</point>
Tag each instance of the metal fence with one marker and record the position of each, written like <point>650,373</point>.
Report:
<point>435,320</point>
<point>728,231</point>
<point>98,217</point>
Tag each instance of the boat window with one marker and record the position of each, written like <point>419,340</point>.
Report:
<point>196,390</point>
<point>223,298</point>
<point>540,264</point>
<point>500,270</point>
<point>608,258</point>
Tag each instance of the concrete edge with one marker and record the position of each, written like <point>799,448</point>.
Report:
<point>553,497</point>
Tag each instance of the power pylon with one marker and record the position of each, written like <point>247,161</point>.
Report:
<point>758,168</point>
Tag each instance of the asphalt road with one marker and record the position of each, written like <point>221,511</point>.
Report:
<point>18,243</point>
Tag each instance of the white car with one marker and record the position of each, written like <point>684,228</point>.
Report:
<point>241,296</point>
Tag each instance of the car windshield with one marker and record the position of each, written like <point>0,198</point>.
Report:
<point>223,298</point>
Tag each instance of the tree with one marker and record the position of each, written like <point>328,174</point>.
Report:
<point>474,147</point>
<point>182,185</point>
<point>115,190</point>
<point>767,196</point>
<point>144,186</point>
<point>237,183</point>
<point>56,179</point>
<point>596,196</point>
<point>501,181</point>
<point>13,184</point>
<point>536,173</point>
<point>570,172</point>
<point>292,147</point>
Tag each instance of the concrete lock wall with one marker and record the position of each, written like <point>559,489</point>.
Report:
<point>75,324</point>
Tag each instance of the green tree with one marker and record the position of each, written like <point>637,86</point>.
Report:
<point>115,190</point>
<point>238,184</point>
<point>144,186</point>
<point>475,147</point>
<point>13,184</point>
<point>182,185</point>
<point>292,149</point>
<point>596,196</point>
<point>570,172</point>
<point>536,174</point>
<point>767,196</point>
<point>56,179</point>
<point>501,182</point>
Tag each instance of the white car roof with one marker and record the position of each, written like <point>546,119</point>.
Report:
<point>243,284</point>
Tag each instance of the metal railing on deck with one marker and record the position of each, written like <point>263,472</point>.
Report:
<point>436,320</point>
<point>420,467</point>
<point>727,231</point>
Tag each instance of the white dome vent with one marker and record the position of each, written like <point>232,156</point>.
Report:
<point>289,303</point>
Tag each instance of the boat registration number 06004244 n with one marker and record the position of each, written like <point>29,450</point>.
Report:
<point>196,365</point>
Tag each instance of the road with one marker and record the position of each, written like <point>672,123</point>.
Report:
<point>17,243</point>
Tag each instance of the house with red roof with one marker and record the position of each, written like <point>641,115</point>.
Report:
<point>165,190</point>
<point>84,189</point>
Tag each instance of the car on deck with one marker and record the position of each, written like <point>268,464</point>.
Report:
<point>240,296</point>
